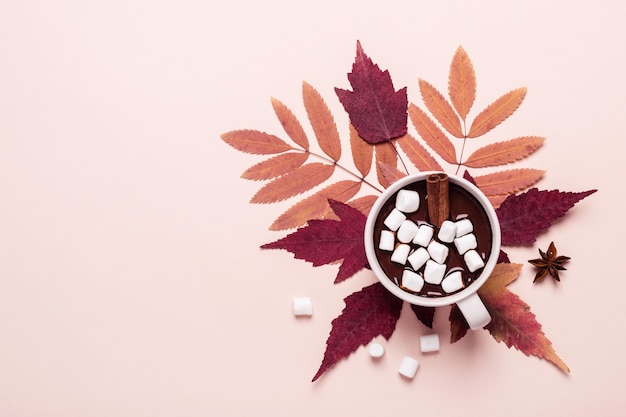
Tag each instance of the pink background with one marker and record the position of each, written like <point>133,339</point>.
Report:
<point>131,283</point>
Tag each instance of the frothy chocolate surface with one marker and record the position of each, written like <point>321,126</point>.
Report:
<point>462,205</point>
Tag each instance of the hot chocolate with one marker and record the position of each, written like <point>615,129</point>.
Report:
<point>447,263</point>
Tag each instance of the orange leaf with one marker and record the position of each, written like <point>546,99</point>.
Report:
<point>255,142</point>
<point>363,204</point>
<point>391,173</point>
<point>275,166</point>
<point>362,152</point>
<point>385,154</point>
<point>290,123</point>
<point>417,154</point>
<point>322,122</point>
<point>497,199</point>
<point>504,152</point>
<point>497,112</point>
<point>440,108</point>
<point>293,183</point>
<point>462,83</point>
<point>432,135</point>
<point>316,206</point>
<point>512,321</point>
<point>509,181</point>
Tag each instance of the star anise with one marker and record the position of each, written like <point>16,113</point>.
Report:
<point>549,263</point>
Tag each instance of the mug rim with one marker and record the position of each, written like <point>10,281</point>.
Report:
<point>370,249</point>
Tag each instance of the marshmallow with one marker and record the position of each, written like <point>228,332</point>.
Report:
<point>424,235</point>
<point>429,343</point>
<point>376,350</point>
<point>463,227</point>
<point>387,241</point>
<point>412,281</point>
<point>400,254</point>
<point>408,367</point>
<point>447,231</point>
<point>434,272</point>
<point>418,258</point>
<point>394,219</point>
<point>407,231</point>
<point>465,243</point>
<point>473,260</point>
<point>302,306</point>
<point>452,282</point>
<point>407,201</point>
<point>438,252</point>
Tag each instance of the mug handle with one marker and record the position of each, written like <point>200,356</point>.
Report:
<point>474,311</point>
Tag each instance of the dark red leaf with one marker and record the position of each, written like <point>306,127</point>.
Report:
<point>370,312</point>
<point>523,217</point>
<point>322,242</point>
<point>376,110</point>
<point>458,324</point>
<point>424,314</point>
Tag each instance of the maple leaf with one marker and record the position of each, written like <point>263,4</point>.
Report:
<point>512,321</point>
<point>524,216</point>
<point>424,314</point>
<point>377,111</point>
<point>368,313</point>
<point>323,242</point>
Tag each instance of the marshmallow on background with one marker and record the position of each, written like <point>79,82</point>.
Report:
<point>429,343</point>
<point>408,367</point>
<point>302,306</point>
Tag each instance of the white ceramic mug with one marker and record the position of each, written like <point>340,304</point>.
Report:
<point>466,299</point>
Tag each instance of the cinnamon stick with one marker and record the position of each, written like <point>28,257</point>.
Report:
<point>438,198</point>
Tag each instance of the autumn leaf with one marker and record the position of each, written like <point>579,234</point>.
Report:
<point>418,155</point>
<point>424,314</point>
<point>496,200</point>
<point>362,152</point>
<point>364,203</point>
<point>385,155</point>
<point>368,313</point>
<point>390,173</point>
<point>508,181</point>
<point>316,206</point>
<point>523,217</point>
<point>322,122</point>
<point>323,242</point>
<point>512,321</point>
<point>275,166</point>
<point>432,134</point>
<point>293,183</point>
<point>504,152</point>
<point>440,108</point>
<point>497,112</point>
<point>462,83</point>
<point>290,123</point>
<point>255,142</point>
<point>377,111</point>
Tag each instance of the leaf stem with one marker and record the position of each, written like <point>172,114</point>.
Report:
<point>399,156</point>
